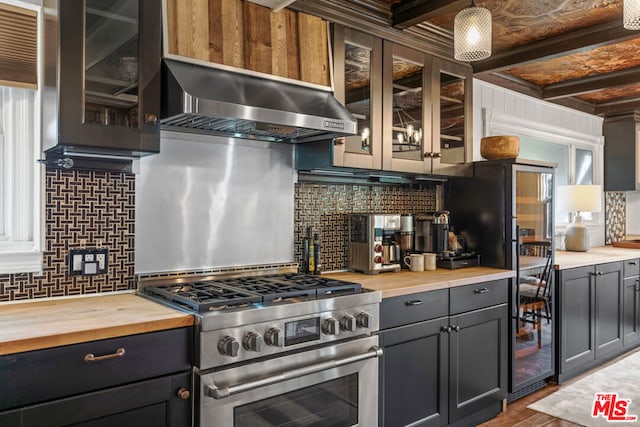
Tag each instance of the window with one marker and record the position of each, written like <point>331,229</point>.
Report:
<point>20,174</point>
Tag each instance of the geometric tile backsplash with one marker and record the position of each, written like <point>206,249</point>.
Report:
<point>324,208</point>
<point>83,208</point>
<point>615,216</point>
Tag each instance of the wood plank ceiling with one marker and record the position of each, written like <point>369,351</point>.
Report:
<point>572,52</point>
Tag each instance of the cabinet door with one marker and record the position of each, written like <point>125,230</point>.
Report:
<point>477,361</point>
<point>413,375</point>
<point>407,109</point>
<point>149,403</point>
<point>630,316</point>
<point>451,86</point>
<point>358,60</point>
<point>577,320</point>
<point>109,77</point>
<point>11,418</point>
<point>608,313</point>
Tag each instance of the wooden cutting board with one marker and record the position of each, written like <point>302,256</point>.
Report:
<point>35,325</point>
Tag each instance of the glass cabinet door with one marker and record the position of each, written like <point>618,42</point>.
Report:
<point>452,116</point>
<point>111,63</point>
<point>106,79</point>
<point>407,114</point>
<point>358,87</point>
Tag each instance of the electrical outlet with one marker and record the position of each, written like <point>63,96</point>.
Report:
<point>88,261</point>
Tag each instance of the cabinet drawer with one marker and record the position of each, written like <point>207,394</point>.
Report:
<point>473,297</point>
<point>631,267</point>
<point>413,308</point>
<point>38,376</point>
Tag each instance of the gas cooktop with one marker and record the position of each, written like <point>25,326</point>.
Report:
<point>220,294</point>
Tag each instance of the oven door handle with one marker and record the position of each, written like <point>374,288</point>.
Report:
<point>219,393</point>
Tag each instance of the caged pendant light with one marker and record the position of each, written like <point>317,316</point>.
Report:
<point>472,34</point>
<point>631,14</point>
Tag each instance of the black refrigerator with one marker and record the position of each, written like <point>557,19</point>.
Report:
<point>505,206</point>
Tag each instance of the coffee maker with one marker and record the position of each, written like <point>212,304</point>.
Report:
<point>372,243</point>
<point>432,232</point>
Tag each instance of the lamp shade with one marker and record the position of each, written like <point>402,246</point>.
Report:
<point>579,198</point>
<point>472,34</point>
<point>631,14</point>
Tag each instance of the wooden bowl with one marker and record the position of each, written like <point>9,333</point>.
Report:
<point>499,147</point>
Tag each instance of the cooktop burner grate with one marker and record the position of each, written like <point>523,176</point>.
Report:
<point>232,293</point>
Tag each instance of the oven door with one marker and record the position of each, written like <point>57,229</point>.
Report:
<point>332,386</point>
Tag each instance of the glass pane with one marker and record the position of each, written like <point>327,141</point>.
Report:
<point>111,63</point>
<point>451,119</point>
<point>536,149</point>
<point>408,131</point>
<point>584,167</point>
<point>329,404</point>
<point>357,83</point>
<point>534,210</point>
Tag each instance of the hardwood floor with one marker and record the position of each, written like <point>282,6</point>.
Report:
<point>518,415</point>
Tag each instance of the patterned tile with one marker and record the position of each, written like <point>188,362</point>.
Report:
<point>83,208</point>
<point>615,217</point>
<point>324,208</point>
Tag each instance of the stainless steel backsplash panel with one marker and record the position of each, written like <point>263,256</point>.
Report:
<point>207,202</point>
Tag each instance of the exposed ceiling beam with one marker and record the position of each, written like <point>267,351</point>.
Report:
<point>411,12</point>
<point>591,84</point>
<point>576,41</point>
<point>510,82</point>
<point>618,107</point>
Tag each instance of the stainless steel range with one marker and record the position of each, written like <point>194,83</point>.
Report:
<point>281,349</point>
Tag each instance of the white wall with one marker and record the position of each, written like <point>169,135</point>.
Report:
<point>497,110</point>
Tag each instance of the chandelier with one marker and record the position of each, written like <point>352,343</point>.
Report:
<point>472,34</point>
<point>408,137</point>
<point>631,14</point>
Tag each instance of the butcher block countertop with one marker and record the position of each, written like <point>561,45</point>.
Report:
<point>36,325</point>
<point>597,255</point>
<point>393,284</point>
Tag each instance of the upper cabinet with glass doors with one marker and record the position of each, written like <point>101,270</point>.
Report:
<point>108,65</point>
<point>358,61</point>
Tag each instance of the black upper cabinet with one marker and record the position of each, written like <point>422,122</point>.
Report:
<point>102,77</point>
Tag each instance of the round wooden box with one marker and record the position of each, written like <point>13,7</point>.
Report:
<point>499,147</point>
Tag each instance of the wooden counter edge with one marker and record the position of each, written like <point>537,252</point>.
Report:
<point>413,289</point>
<point>83,336</point>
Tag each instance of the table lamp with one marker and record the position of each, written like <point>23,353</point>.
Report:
<point>578,198</point>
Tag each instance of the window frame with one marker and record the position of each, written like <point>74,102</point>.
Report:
<point>22,240</point>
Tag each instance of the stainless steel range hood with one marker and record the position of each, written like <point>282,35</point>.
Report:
<point>202,99</point>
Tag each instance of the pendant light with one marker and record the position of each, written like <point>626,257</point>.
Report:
<point>472,34</point>
<point>631,14</point>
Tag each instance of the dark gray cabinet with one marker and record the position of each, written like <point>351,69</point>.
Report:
<point>621,150</point>
<point>631,304</point>
<point>445,356</point>
<point>590,315</point>
<point>127,381</point>
<point>102,78</point>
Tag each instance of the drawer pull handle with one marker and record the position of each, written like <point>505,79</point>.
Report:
<point>93,358</point>
<point>413,302</point>
<point>633,263</point>
<point>481,290</point>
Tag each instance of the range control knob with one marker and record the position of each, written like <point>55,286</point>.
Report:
<point>348,323</point>
<point>228,346</point>
<point>331,326</point>
<point>252,341</point>
<point>274,336</point>
<point>377,247</point>
<point>363,320</point>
